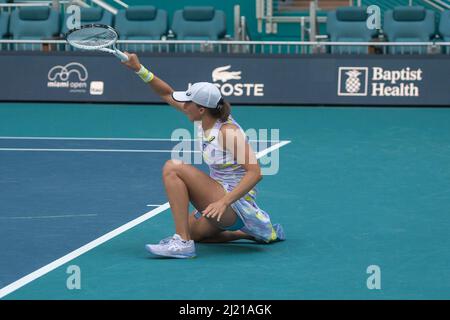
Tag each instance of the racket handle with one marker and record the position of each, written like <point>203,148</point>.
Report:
<point>122,56</point>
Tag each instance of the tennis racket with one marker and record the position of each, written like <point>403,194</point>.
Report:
<point>95,37</point>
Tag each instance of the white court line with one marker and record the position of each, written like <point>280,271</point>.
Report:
<point>272,148</point>
<point>78,252</point>
<point>268,150</point>
<point>95,243</point>
<point>110,139</point>
<point>96,150</point>
<point>80,138</point>
<point>153,205</point>
<point>51,217</point>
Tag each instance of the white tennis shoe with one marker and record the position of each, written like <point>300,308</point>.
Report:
<point>174,247</point>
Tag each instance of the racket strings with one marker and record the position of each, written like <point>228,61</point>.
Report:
<point>92,38</point>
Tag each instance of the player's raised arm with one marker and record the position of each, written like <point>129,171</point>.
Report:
<point>158,85</point>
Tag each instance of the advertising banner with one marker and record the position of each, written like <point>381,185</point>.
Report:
<point>242,79</point>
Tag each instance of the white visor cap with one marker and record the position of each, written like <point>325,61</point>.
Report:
<point>202,93</point>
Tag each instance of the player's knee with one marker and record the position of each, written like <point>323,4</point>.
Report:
<point>196,236</point>
<point>171,167</point>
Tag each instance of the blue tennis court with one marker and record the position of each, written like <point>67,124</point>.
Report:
<point>356,187</point>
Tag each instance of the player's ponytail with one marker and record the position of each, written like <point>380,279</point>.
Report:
<point>222,111</point>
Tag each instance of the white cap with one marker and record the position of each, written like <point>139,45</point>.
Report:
<point>202,93</point>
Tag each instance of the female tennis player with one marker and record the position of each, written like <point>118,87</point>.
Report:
<point>225,200</point>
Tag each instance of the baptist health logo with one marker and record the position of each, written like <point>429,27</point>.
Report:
<point>73,76</point>
<point>354,81</point>
<point>222,75</point>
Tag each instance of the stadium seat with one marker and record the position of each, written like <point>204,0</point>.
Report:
<point>90,16</point>
<point>4,21</point>
<point>199,23</point>
<point>444,28</point>
<point>348,24</point>
<point>409,24</point>
<point>141,23</point>
<point>33,23</point>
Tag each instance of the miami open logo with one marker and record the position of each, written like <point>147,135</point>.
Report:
<point>72,76</point>
<point>353,81</point>
<point>63,73</point>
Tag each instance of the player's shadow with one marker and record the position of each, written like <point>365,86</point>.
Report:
<point>244,247</point>
<point>240,247</point>
<point>231,248</point>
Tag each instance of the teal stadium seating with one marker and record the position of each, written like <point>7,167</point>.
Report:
<point>409,24</point>
<point>199,23</point>
<point>90,16</point>
<point>33,23</point>
<point>4,22</point>
<point>141,23</point>
<point>444,28</point>
<point>348,24</point>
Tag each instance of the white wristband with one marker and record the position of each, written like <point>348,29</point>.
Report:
<point>145,75</point>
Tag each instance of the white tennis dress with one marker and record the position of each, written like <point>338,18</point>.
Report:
<point>225,170</point>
